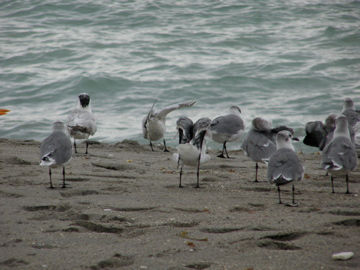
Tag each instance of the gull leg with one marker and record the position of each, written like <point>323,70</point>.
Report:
<point>293,194</point>
<point>151,146</point>
<point>87,145</point>
<point>278,188</point>
<point>181,170</point>
<point>165,148</point>
<point>75,147</point>
<point>222,152</point>
<point>227,155</point>
<point>51,185</point>
<point>256,172</point>
<point>63,186</point>
<point>293,204</point>
<point>332,183</point>
<point>198,173</point>
<point>347,184</point>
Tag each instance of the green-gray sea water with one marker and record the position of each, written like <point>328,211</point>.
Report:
<point>288,61</point>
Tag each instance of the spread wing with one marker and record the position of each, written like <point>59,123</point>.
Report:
<point>164,112</point>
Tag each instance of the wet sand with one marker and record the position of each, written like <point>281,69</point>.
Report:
<point>122,209</point>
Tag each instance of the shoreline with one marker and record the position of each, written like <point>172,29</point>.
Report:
<point>123,209</point>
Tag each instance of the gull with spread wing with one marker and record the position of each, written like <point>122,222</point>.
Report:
<point>153,124</point>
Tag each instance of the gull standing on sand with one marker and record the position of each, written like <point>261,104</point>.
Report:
<point>153,125</point>
<point>319,134</point>
<point>259,143</point>
<point>193,153</point>
<point>56,149</point>
<point>81,121</point>
<point>284,165</point>
<point>227,128</point>
<point>339,156</point>
<point>353,118</point>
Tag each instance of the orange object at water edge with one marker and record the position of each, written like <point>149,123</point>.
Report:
<point>4,111</point>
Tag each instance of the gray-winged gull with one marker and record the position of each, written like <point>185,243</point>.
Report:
<point>284,165</point>
<point>339,156</point>
<point>56,149</point>
<point>259,144</point>
<point>353,117</point>
<point>227,128</point>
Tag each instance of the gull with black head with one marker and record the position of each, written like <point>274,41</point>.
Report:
<point>81,121</point>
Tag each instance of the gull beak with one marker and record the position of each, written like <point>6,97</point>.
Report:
<point>295,139</point>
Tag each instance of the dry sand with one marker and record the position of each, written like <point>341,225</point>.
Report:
<point>123,209</point>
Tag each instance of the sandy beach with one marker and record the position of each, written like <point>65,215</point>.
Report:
<point>122,209</point>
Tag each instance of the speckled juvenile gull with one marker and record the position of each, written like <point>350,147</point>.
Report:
<point>284,165</point>
<point>339,156</point>
<point>319,134</point>
<point>153,124</point>
<point>56,149</point>
<point>227,128</point>
<point>259,144</point>
<point>81,121</point>
<point>193,153</point>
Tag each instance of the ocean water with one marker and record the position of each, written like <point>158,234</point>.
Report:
<point>288,61</point>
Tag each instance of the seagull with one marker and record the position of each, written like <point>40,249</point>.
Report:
<point>339,155</point>
<point>319,134</point>
<point>227,128</point>
<point>284,165</point>
<point>353,117</point>
<point>81,121</point>
<point>193,153</point>
<point>153,125</point>
<point>56,149</point>
<point>259,143</point>
<point>185,127</point>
